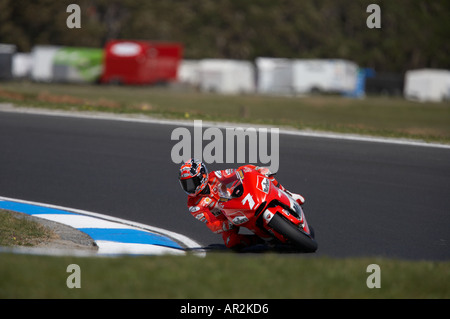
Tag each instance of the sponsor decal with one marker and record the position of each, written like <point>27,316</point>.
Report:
<point>194,209</point>
<point>229,171</point>
<point>201,217</point>
<point>263,184</point>
<point>238,218</point>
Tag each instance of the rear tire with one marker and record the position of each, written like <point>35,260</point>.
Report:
<point>295,236</point>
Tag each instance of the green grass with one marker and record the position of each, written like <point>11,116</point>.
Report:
<point>220,275</point>
<point>17,231</point>
<point>379,116</point>
<point>217,276</point>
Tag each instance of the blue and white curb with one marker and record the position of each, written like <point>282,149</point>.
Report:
<point>113,236</point>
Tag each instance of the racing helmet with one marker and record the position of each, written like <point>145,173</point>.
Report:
<point>193,177</point>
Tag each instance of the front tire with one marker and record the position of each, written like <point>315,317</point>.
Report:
<point>295,236</point>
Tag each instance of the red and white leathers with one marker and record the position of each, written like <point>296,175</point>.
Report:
<point>205,208</point>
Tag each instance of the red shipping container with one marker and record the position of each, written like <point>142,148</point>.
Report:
<point>141,62</point>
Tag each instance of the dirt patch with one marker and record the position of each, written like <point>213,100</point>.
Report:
<point>45,96</point>
<point>11,95</point>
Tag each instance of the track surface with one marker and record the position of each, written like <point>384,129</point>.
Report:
<point>363,199</point>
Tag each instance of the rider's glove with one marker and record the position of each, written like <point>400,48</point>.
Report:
<point>298,198</point>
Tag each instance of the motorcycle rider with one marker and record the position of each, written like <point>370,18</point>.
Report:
<point>203,200</point>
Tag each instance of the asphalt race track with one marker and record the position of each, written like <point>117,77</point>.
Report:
<point>363,198</point>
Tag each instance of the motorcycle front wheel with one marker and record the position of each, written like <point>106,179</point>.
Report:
<point>294,234</point>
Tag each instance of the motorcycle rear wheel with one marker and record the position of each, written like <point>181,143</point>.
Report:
<point>294,234</point>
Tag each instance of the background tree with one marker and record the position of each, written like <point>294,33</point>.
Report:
<point>413,34</point>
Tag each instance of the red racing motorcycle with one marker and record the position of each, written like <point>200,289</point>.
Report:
<point>253,202</point>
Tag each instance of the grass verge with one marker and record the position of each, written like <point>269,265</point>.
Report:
<point>379,116</point>
<point>217,276</point>
<point>18,231</point>
<point>220,275</point>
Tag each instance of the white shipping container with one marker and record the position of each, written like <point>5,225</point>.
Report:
<point>274,75</point>
<point>226,76</point>
<point>427,85</point>
<point>189,72</point>
<point>42,57</point>
<point>22,63</point>
<point>318,75</point>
